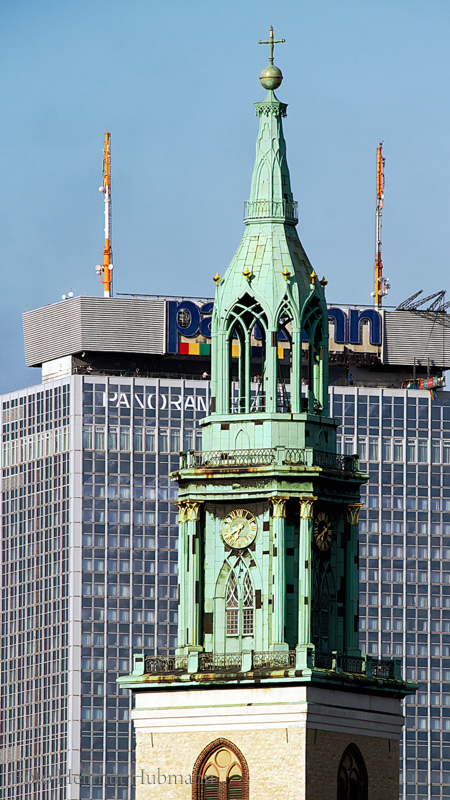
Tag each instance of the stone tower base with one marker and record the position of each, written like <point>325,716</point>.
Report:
<point>292,739</point>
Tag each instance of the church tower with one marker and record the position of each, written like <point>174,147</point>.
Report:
<point>268,693</point>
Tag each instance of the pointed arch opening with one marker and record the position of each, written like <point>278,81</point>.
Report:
<point>258,368</point>
<point>315,327</point>
<point>284,359</point>
<point>220,773</point>
<point>232,606</point>
<point>247,606</point>
<point>239,605</point>
<point>247,346</point>
<point>320,606</point>
<point>237,352</point>
<point>352,779</point>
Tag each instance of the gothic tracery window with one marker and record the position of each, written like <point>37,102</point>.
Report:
<point>320,606</point>
<point>352,775</point>
<point>232,607</point>
<point>247,610</point>
<point>247,340</point>
<point>239,605</point>
<point>220,773</point>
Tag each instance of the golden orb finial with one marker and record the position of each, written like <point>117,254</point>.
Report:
<point>271,76</point>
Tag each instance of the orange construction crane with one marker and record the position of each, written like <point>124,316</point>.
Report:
<point>381,284</point>
<point>105,269</point>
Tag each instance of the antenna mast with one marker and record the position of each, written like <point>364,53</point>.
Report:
<point>381,284</point>
<point>105,269</point>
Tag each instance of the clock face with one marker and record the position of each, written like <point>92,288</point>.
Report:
<point>239,528</point>
<point>323,531</point>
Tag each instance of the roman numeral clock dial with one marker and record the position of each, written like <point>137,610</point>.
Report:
<point>239,528</point>
<point>323,531</point>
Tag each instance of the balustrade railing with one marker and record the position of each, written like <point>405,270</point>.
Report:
<point>335,461</point>
<point>323,660</point>
<point>232,663</point>
<point>236,458</point>
<point>266,456</point>
<point>295,456</point>
<point>351,664</point>
<point>254,209</point>
<point>160,664</point>
<point>382,669</point>
<point>274,659</point>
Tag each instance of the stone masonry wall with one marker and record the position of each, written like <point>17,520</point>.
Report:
<point>275,758</point>
<point>324,752</point>
<point>276,762</point>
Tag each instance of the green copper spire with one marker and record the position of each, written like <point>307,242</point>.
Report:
<point>270,193</point>
<point>271,275</point>
<point>268,510</point>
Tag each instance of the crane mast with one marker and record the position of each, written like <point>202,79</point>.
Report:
<point>381,284</point>
<point>105,269</point>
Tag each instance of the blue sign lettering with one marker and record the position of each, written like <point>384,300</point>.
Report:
<point>188,319</point>
<point>355,319</point>
<point>340,324</point>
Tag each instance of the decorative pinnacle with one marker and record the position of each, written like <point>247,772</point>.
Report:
<point>217,279</point>
<point>271,76</point>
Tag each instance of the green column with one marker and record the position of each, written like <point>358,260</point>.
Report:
<point>324,376</point>
<point>279,573</point>
<point>224,357</point>
<point>182,564</point>
<point>310,374</point>
<point>270,379</point>
<point>296,371</point>
<point>192,580</point>
<point>351,633</point>
<point>247,376</point>
<point>304,580</point>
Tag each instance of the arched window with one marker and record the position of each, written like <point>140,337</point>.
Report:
<point>247,335</point>
<point>352,783</point>
<point>247,607</point>
<point>239,606</point>
<point>284,361</point>
<point>316,329</point>
<point>320,606</point>
<point>232,606</point>
<point>237,346</point>
<point>220,773</point>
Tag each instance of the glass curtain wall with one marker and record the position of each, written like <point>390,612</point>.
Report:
<point>403,440</point>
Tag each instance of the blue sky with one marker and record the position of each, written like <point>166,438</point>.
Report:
<point>175,83</point>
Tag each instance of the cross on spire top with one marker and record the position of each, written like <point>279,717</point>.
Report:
<point>271,42</point>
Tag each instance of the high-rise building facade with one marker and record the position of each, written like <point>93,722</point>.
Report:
<point>89,563</point>
<point>403,440</point>
<point>71,621</point>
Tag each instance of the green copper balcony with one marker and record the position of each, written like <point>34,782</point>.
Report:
<point>283,210</point>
